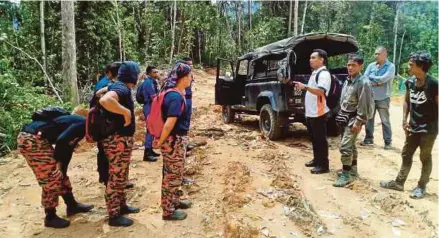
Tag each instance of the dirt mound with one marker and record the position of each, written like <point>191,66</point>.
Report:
<point>239,229</point>
<point>237,181</point>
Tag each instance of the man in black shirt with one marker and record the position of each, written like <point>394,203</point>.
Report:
<point>421,103</point>
<point>50,165</point>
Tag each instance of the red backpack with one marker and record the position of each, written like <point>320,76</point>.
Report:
<point>155,122</point>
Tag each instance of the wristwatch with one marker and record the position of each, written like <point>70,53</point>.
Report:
<point>306,87</point>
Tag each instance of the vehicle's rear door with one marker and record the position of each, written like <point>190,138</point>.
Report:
<point>226,91</point>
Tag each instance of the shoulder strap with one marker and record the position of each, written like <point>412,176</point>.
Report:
<point>318,74</point>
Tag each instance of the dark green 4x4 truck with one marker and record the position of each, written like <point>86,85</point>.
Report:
<point>257,83</point>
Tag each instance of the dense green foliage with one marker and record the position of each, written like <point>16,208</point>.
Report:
<point>203,30</point>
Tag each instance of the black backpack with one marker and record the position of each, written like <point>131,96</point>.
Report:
<point>333,98</point>
<point>139,95</point>
<point>97,126</point>
<point>49,113</point>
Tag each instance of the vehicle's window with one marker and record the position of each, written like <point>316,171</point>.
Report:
<point>226,71</point>
<point>243,68</point>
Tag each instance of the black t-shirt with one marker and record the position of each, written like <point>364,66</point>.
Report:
<point>126,100</point>
<point>64,131</point>
<point>174,106</point>
<point>423,108</point>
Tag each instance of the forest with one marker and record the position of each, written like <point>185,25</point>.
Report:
<point>52,52</point>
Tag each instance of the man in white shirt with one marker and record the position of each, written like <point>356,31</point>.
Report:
<point>316,109</point>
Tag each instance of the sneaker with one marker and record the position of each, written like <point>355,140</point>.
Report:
<point>129,185</point>
<point>311,163</point>
<point>56,222</point>
<point>388,147</point>
<point>149,157</point>
<point>392,184</point>
<point>187,181</point>
<point>343,179</point>
<point>366,143</point>
<point>128,210</point>
<point>153,153</point>
<point>418,193</point>
<point>177,215</point>
<point>184,204</point>
<point>120,221</point>
<point>319,170</point>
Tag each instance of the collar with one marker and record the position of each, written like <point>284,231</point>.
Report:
<point>319,69</point>
<point>386,62</point>
<point>354,80</point>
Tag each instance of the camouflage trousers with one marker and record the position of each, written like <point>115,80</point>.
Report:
<point>38,153</point>
<point>118,151</point>
<point>173,152</point>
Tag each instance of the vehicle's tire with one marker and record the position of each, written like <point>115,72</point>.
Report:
<point>332,129</point>
<point>228,114</point>
<point>270,123</point>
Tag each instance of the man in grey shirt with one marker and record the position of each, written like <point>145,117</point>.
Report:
<point>380,74</point>
<point>357,106</point>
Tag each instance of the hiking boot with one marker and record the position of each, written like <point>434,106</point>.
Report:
<point>184,204</point>
<point>129,185</point>
<point>120,221</point>
<point>392,184</point>
<point>73,207</point>
<point>366,142</point>
<point>53,220</point>
<point>311,163</point>
<point>418,193</point>
<point>388,147</point>
<point>344,178</point>
<point>149,157</point>
<point>353,172</point>
<point>177,215</point>
<point>128,210</point>
<point>319,170</point>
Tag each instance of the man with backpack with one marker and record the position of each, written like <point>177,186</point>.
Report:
<point>357,107</point>
<point>144,95</point>
<point>53,126</point>
<point>421,106</point>
<point>118,145</point>
<point>316,110</point>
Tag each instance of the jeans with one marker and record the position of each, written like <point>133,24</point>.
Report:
<point>148,137</point>
<point>425,142</point>
<point>317,132</point>
<point>382,106</point>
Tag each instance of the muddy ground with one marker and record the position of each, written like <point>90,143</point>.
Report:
<point>244,186</point>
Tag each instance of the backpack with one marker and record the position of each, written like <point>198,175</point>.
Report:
<point>139,95</point>
<point>333,98</point>
<point>49,113</point>
<point>155,120</point>
<point>97,126</point>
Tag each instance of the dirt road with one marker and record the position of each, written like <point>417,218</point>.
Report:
<point>244,187</point>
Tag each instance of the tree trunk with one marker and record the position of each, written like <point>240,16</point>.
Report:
<point>174,15</point>
<point>43,40</point>
<point>290,16</point>
<point>181,32</point>
<point>304,17</point>
<point>400,52</point>
<point>119,30</point>
<point>238,18</point>
<point>296,18</point>
<point>199,46</point>
<point>395,31</point>
<point>250,15</point>
<point>69,49</point>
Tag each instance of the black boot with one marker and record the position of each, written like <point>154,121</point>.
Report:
<point>153,153</point>
<point>148,156</point>
<point>120,221</point>
<point>53,220</point>
<point>128,210</point>
<point>73,207</point>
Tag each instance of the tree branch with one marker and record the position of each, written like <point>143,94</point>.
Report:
<point>42,68</point>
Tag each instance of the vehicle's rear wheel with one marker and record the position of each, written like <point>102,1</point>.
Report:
<point>270,123</point>
<point>228,114</point>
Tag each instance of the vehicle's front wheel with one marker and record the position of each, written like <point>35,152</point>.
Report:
<point>228,114</point>
<point>270,123</point>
